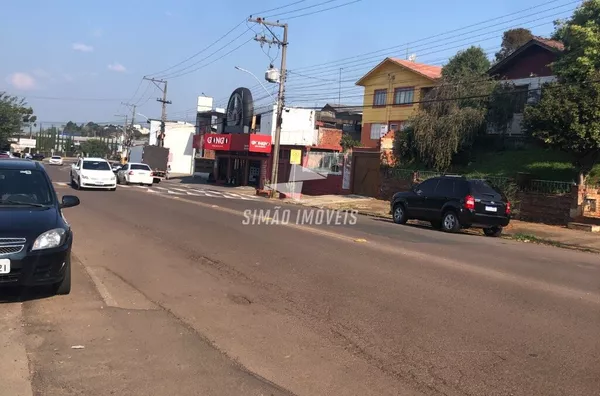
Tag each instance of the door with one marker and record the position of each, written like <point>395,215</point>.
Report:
<point>444,192</point>
<point>366,174</point>
<point>418,204</point>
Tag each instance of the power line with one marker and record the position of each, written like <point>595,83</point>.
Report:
<point>323,10</point>
<point>299,9</point>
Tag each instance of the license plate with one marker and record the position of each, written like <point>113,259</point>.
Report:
<point>4,266</point>
<point>99,183</point>
<point>491,209</point>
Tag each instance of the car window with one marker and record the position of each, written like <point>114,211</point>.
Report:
<point>55,157</point>
<point>140,167</point>
<point>481,187</point>
<point>427,187</point>
<point>96,165</point>
<point>445,188</point>
<point>27,186</point>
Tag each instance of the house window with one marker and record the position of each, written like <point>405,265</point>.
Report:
<point>380,97</point>
<point>521,97</point>
<point>397,125</point>
<point>404,96</point>
<point>378,130</point>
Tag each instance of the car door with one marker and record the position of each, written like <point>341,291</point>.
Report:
<point>444,192</point>
<point>417,204</point>
<point>121,173</point>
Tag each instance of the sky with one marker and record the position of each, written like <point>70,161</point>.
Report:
<point>79,60</point>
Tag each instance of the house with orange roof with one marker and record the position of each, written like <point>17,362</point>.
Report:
<point>527,68</point>
<point>392,93</point>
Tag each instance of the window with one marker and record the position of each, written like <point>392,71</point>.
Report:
<point>140,167</point>
<point>427,187</point>
<point>56,157</point>
<point>397,125</point>
<point>445,188</point>
<point>25,186</point>
<point>96,165</point>
<point>404,96</point>
<point>380,97</point>
<point>378,130</point>
<point>325,163</point>
<point>480,187</point>
<point>521,97</point>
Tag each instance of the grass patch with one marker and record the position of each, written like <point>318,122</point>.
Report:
<point>529,238</point>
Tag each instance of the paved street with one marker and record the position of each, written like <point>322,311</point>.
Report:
<point>174,295</point>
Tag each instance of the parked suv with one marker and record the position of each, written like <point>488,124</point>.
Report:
<point>454,202</point>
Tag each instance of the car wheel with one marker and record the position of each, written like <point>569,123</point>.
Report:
<point>399,214</point>
<point>450,222</point>
<point>73,184</point>
<point>78,187</point>
<point>494,232</point>
<point>64,287</point>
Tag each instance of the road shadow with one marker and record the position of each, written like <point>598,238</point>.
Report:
<point>18,294</point>
<point>424,226</point>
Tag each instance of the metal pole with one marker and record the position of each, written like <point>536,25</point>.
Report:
<point>163,116</point>
<point>280,103</point>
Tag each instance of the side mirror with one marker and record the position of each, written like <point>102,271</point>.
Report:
<point>68,201</point>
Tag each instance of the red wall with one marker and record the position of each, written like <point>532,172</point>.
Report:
<point>535,60</point>
<point>365,137</point>
<point>331,185</point>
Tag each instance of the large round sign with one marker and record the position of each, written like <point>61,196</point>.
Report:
<point>240,108</point>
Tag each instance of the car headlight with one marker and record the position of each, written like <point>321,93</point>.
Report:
<point>84,177</point>
<point>49,239</point>
<point>112,177</point>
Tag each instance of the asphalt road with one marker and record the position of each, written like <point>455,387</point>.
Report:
<point>175,295</point>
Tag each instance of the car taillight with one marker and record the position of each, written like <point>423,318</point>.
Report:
<point>507,208</point>
<point>130,172</point>
<point>469,202</point>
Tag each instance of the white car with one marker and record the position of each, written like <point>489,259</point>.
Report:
<point>93,173</point>
<point>135,173</point>
<point>55,160</point>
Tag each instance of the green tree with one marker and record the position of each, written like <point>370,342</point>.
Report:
<point>454,112</point>
<point>512,40</point>
<point>14,113</point>
<point>468,63</point>
<point>567,116</point>
<point>95,148</point>
<point>347,142</point>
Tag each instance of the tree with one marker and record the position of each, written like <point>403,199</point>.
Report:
<point>95,148</point>
<point>567,116</point>
<point>512,40</point>
<point>347,142</point>
<point>467,63</point>
<point>454,112</point>
<point>14,113</point>
<point>403,147</point>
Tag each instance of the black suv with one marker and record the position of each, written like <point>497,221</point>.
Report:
<point>454,202</point>
<point>35,239</point>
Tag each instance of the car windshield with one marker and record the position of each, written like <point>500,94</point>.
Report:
<point>140,167</point>
<point>96,165</point>
<point>24,187</point>
<point>481,187</point>
<point>56,157</point>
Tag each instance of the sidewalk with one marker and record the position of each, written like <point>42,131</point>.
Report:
<point>518,230</point>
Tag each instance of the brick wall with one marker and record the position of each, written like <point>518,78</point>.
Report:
<point>544,208</point>
<point>331,185</point>
<point>391,185</point>
<point>330,137</point>
<point>590,200</point>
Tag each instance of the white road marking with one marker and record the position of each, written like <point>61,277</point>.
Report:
<point>102,289</point>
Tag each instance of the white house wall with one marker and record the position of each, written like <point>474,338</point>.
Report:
<point>532,83</point>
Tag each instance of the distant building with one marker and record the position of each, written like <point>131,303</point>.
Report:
<point>528,68</point>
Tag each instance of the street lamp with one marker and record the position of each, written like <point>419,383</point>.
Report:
<point>140,114</point>
<point>257,79</point>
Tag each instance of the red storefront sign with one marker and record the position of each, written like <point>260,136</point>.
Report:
<point>259,143</point>
<point>237,142</point>
<point>217,141</point>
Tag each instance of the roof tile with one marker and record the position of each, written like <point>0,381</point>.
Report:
<point>428,71</point>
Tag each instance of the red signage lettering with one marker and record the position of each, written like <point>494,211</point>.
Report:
<point>260,143</point>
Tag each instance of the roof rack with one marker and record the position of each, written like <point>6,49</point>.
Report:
<point>451,175</point>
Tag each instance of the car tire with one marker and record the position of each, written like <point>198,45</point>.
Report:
<point>399,214</point>
<point>450,222</point>
<point>73,184</point>
<point>493,232</point>
<point>64,287</point>
<point>78,187</point>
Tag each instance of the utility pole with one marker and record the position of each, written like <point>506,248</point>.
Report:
<point>283,44</point>
<point>129,136</point>
<point>163,119</point>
